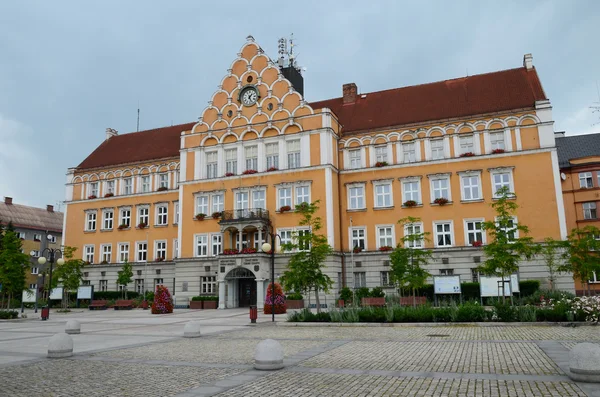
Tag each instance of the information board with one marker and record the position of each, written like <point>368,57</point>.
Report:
<point>28,296</point>
<point>84,292</point>
<point>446,284</point>
<point>514,283</point>
<point>56,294</point>
<point>490,286</point>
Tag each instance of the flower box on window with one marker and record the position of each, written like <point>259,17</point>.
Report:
<point>467,154</point>
<point>477,243</point>
<point>249,172</point>
<point>410,203</point>
<point>303,206</point>
<point>272,169</point>
<point>200,216</point>
<point>441,201</point>
<point>249,250</point>
<point>385,248</point>
<point>109,195</point>
<point>104,263</point>
<point>216,215</point>
<point>285,208</point>
<point>92,196</point>
<point>87,263</point>
<point>162,189</point>
<point>497,151</point>
<point>229,174</point>
<point>230,251</point>
<point>123,226</point>
<point>356,250</point>
<point>160,259</point>
<point>381,164</point>
<point>142,225</point>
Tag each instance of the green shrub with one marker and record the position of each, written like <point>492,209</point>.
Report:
<point>377,292</point>
<point>197,298</point>
<point>8,314</point>
<point>529,287</point>
<point>107,295</point>
<point>470,291</point>
<point>505,312</point>
<point>211,298</point>
<point>346,295</point>
<point>544,294</point>
<point>444,314</point>
<point>372,315</point>
<point>361,293</point>
<point>471,312</point>
<point>296,296</point>
<point>526,314</point>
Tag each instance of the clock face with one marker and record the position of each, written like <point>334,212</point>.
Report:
<point>249,96</point>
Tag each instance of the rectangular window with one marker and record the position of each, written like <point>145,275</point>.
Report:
<point>211,165</point>
<point>303,243</point>
<point>511,230</point>
<point>497,141</point>
<point>143,215</point>
<point>89,253</point>
<point>446,272</point>
<point>22,235</point>
<point>160,250</point>
<point>409,154</point>
<point>293,153</point>
<point>123,252</point>
<point>258,199</point>
<point>474,231</point>
<point>176,213</point>
<point>385,279</point>
<point>466,144</point>
<point>35,253</point>
<point>37,237</point>
<point>231,161</point>
<point>585,180</point>
<point>218,203</point>
<point>437,149</point>
<point>443,234</point>
<point>360,279</point>
<point>411,191</point>
<point>34,270</point>
<point>202,205</point>
<point>385,236</point>
<point>244,241</point>
<point>355,160</point>
<point>209,284</point>
<point>381,154</point>
<point>32,286</point>
<point>272,152</point>
<point>107,219</point>
<point>258,241</point>
<point>251,158</point>
<point>127,185</point>
<point>106,253</point>
<point>145,183</point>
<point>139,285</point>
<point>175,248</point>
<point>500,180</point>
<point>162,215</point>
<point>285,196</point>
<point>441,188</point>
<point>157,282</point>
<point>93,189</point>
<point>474,275</point>
<point>357,197</point>
<point>110,187</point>
<point>302,194</point>
<point>125,217</point>
<point>103,285</point>
<point>241,200</point>
<point>286,236</point>
<point>142,251</point>
<point>202,245</point>
<point>51,239</point>
<point>216,244</point>
<point>414,229</point>
<point>163,181</point>
<point>90,224</point>
<point>383,195</point>
<point>357,238</point>
<point>471,189</point>
<point>589,210</point>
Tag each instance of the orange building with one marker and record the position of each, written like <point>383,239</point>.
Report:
<point>260,148</point>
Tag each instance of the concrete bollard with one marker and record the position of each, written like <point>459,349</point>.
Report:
<point>268,355</point>
<point>73,327</point>
<point>584,363</point>
<point>60,345</point>
<point>191,329</point>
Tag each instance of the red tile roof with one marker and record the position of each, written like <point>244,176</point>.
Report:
<point>137,147</point>
<point>462,97</point>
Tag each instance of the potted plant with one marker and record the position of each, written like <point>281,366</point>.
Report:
<point>294,301</point>
<point>249,172</point>
<point>197,302</point>
<point>409,203</point>
<point>160,259</point>
<point>441,201</point>
<point>229,174</point>
<point>162,189</point>
<point>345,296</point>
<point>230,251</point>
<point>249,250</point>
<point>285,208</point>
<point>467,154</point>
<point>92,196</point>
<point>385,248</point>
<point>200,216</point>
<point>211,302</point>
<point>477,243</point>
<point>123,226</point>
<point>216,215</point>
<point>497,151</point>
<point>380,164</point>
<point>109,195</point>
<point>357,249</point>
<point>142,225</point>
<point>272,169</point>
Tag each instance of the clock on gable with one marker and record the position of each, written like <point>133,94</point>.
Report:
<point>248,95</point>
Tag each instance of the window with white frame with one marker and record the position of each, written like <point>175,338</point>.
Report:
<point>231,161</point>
<point>437,149</point>
<point>35,270</point>
<point>144,215</point>
<point>466,144</point>
<point>209,284</point>
<point>409,154</point>
<point>302,194</point>
<point>142,251</point>
<point>293,153</point>
<point>241,200</point>
<point>88,253</point>
<point>386,281</point>
<point>175,248</point>
<point>585,180</point>
<point>139,285</point>
<point>218,202</point>
<point>251,157</point>
<point>443,234</point>
<point>360,279</point>
<point>163,181</point>
<point>162,214</point>
<point>22,235</point>
<point>37,237</point>
<point>103,285</point>
<point>501,179</point>
<point>123,252</point>
<point>415,230</point>
<point>381,154</point>
<point>35,253</point>
<point>272,152</point>
<point>90,221</point>
<point>110,187</point>
<point>512,232</point>
<point>128,185</point>
<point>286,236</point>
<point>303,240</point>
<point>145,183</point>
<point>106,253</point>
<point>385,236</point>
<point>356,197</point>
<point>216,242</point>
<point>440,188</point>
<point>258,240</point>
<point>93,189</point>
<point>157,282</point>
<point>125,217</point>
<point>202,204</point>
<point>354,159</point>
<point>446,272</point>
<point>160,250</point>
<point>212,165</point>
<point>202,245</point>
<point>411,191</point>
<point>474,231</point>
<point>285,196</point>
<point>589,210</point>
<point>383,195</point>
<point>357,238</point>
<point>176,212</point>
<point>107,219</point>
<point>244,241</point>
<point>51,238</point>
<point>258,199</point>
<point>471,187</point>
<point>497,141</point>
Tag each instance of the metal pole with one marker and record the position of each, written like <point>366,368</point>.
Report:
<point>352,268</point>
<point>50,281</point>
<point>273,278</point>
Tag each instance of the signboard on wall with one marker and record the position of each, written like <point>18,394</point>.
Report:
<point>446,285</point>
<point>84,292</point>
<point>29,296</point>
<point>489,286</point>
<point>56,294</point>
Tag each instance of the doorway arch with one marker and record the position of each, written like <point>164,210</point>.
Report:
<point>241,287</point>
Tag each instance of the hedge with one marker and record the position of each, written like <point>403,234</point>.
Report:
<point>471,291</point>
<point>204,298</point>
<point>108,295</point>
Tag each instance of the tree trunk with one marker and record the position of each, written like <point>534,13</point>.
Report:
<point>8,303</point>
<point>588,289</point>
<point>125,293</point>
<point>317,300</point>
<point>414,298</point>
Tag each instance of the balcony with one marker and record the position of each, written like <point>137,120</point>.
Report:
<point>236,216</point>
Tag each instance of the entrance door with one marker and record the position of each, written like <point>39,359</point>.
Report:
<point>247,292</point>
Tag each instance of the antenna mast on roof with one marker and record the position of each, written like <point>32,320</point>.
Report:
<point>282,49</point>
<point>138,118</point>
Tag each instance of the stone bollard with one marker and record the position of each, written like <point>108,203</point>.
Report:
<point>73,327</point>
<point>60,345</point>
<point>191,329</point>
<point>268,355</point>
<point>584,363</point>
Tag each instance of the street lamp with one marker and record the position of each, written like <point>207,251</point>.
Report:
<point>266,247</point>
<point>52,253</point>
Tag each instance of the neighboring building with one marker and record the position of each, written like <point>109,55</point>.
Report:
<point>39,228</point>
<point>259,147</point>
<point>579,161</point>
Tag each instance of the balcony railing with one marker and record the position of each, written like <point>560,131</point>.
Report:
<point>244,215</point>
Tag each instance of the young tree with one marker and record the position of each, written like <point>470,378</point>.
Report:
<point>125,276</point>
<point>552,251</point>
<point>506,250</point>
<point>13,264</point>
<point>305,267</point>
<point>70,274</point>
<point>581,254</point>
<point>407,261</point>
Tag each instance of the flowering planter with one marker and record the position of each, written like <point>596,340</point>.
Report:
<point>216,215</point>
<point>210,304</point>
<point>468,154</point>
<point>272,169</point>
<point>92,197</point>
<point>162,189</point>
<point>200,217</point>
<point>196,305</point>
<point>380,164</point>
<point>285,208</point>
<point>248,251</point>
<point>385,248</point>
<point>477,244</point>
<point>250,172</point>
<point>440,201</point>
<point>410,203</point>
<point>229,174</point>
<point>121,227</point>
<point>230,251</point>
<point>497,151</point>
<point>108,195</point>
<point>372,302</point>
<point>295,304</point>
<point>142,225</point>
<point>357,250</point>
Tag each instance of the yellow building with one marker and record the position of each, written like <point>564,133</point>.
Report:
<point>260,148</point>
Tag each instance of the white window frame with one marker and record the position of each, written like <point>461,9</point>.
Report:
<point>450,232</point>
<point>501,171</point>
<point>591,212</point>
<point>209,285</point>
<point>286,236</point>
<point>358,198</point>
<point>409,156</point>
<point>391,237</point>
<point>435,151</point>
<point>163,180</point>
<point>158,249</point>
<point>413,244</point>
<point>145,185</point>
<point>260,201</point>
<point>89,221</point>
<point>405,197</point>
<point>240,203</point>
<point>37,237</point>
<point>127,185</point>
<point>108,219</point>
<point>93,189</point>
<point>176,212</point>
<point>109,187</point>
<point>216,244</point>
<point>106,253</point>
<point>202,204</point>
<point>103,285</point>
<point>358,238</point>
<point>355,158</point>
<point>515,224</point>
<point>125,216</point>
<point>467,232</point>
<point>89,251</point>
<point>175,248</point>
<point>35,270</point>
<point>586,180</point>
<point>123,253</point>
<point>361,277</point>
<point>251,157</point>
<point>466,144</point>
<point>497,143</point>
<point>433,179</point>
<point>201,245</point>
<point>139,250</point>
<point>302,198</point>
<point>272,156</point>
<point>161,215</point>
<point>212,165</point>
<point>294,158</point>
<point>287,199</point>
<point>231,162</point>
<point>140,216</point>
<point>464,186</point>
<point>383,195</point>
<point>380,152</point>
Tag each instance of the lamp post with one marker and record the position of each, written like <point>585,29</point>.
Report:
<point>52,253</point>
<point>266,247</point>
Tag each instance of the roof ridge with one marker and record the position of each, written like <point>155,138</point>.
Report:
<point>153,129</point>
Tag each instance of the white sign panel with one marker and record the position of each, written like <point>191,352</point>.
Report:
<point>514,283</point>
<point>29,296</point>
<point>446,284</point>
<point>490,286</point>
<point>84,292</point>
<point>56,294</point>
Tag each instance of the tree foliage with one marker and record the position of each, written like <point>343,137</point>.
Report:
<point>125,276</point>
<point>69,274</point>
<point>552,252</point>
<point>581,254</point>
<point>13,264</point>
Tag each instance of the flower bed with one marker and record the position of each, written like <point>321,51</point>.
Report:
<point>440,201</point>
<point>163,303</point>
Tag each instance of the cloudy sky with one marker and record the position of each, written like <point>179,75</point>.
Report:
<point>69,69</point>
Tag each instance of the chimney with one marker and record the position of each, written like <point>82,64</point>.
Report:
<point>110,133</point>
<point>50,208</point>
<point>528,61</point>
<point>349,91</point>
<point>8,200</point>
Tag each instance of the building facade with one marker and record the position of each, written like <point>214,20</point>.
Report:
<point>190,204</point>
